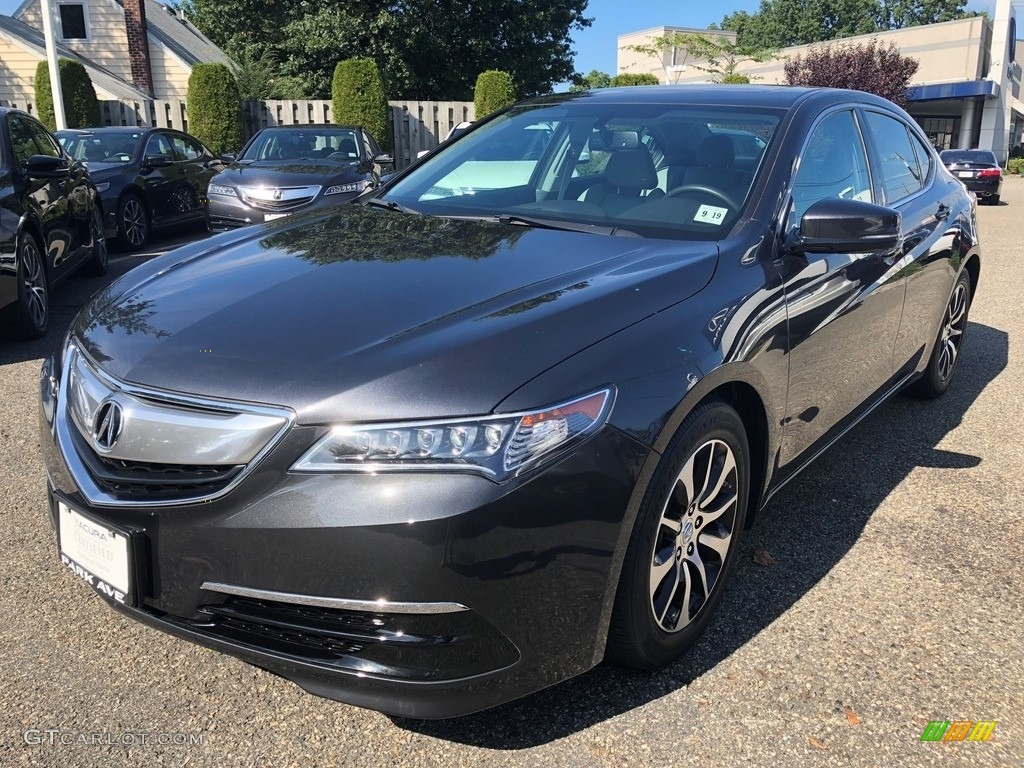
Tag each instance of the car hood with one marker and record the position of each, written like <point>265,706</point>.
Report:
<point>287,173</point>
<point>363,314</point>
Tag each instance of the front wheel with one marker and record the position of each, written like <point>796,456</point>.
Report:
<point>684,541</point>
<point>132,222</point>
<point>946,354</point>
<point>97,263</point>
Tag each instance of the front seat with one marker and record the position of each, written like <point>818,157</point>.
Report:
<point>627,175</point>
<point>715,156</point>
<point>348,146</point>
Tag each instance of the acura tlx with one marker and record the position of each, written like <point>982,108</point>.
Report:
<point>509,414</point>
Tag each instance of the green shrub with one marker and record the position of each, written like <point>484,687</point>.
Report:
<point>81,109</point>
<point>215,108</point>
<point>1015,166</point>
<point>634,78</point>
<point>359,99</point>
<point>735,79</point>
<point>494,90</point>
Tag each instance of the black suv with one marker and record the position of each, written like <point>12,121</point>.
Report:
<point>50,221</point>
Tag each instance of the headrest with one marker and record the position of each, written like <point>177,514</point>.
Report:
<point>716,151</point>
<point>631,169</point>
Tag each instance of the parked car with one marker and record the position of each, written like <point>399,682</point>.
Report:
<point>427,454</point>
<point>978,169</point>
<point>148,178</point>
<point>50,222</point>
<point>291,168</point>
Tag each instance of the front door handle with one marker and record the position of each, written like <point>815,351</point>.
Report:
<point>943,212</point>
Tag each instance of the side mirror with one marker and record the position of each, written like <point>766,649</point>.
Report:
<point>157,161</point>
<point>228,157</point>
<point>383,158</point>
<point>46,167</point>
<point>838,225</point>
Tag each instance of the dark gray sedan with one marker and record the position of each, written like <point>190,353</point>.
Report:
<point>291,168</point>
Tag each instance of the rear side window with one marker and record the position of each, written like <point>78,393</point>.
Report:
<point>900,173</point>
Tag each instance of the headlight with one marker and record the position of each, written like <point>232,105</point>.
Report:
<point>499,446</point>
<point>355,186</point>
<point>219,189</point>
<point>103,186</point>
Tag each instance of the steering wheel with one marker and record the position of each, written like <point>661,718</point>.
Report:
<point>338,154</point>
<point>716,193</point>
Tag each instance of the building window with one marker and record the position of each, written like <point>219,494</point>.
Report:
<point>72,21</point>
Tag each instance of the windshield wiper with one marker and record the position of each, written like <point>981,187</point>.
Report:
<point>516,219</point>
<point>390,205</point>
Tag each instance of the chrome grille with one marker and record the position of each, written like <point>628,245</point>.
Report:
<point>278,198</point>
<point>169,448</point>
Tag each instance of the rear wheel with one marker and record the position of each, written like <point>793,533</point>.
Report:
<point>684,542</point>
<point>994,199</point>
<point>97,264</point>
<point>32,310</point>
<point>946,353</point>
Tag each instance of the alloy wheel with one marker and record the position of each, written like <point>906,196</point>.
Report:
<point>99,241</point>
<point>133,222</point>
<point>694,535</point>
<point>952,331</point>
<point>34,280</point>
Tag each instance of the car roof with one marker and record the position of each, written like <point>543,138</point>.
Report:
<point>112,129</point>
<point>311,127</point>
<point>711,94</point>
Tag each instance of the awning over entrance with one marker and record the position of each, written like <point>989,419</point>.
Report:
<point>963,89</point>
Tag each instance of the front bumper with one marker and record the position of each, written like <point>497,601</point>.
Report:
<point>468,593</point>
<point>224,213</point>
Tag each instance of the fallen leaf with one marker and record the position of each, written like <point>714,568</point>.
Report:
<point>763,558</point>
<point>817,744</point>
<point>851,716</point>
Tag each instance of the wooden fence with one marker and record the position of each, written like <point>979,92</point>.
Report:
<point>416,125</point>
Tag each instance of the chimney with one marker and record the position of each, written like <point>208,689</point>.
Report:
<point>138,44</point>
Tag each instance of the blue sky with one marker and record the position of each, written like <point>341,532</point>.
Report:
<point>595,46</point>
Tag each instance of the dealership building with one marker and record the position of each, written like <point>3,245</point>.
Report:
<point>966,92</point>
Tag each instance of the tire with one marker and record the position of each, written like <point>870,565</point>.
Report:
<point>939,374</point>
<point>649,627</point>
<point>133,222</point>
<point>32,310</point>
<point>994,200</point>
<point>97,263</point>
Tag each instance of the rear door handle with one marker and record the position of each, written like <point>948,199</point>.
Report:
<point>943,212</point>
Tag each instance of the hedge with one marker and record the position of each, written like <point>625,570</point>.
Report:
<point>634,78</point>
<point>359,99</point>
<point>215,108</point>
<point>1015,165</point>
<point>735,79</point>
<point>494,91</point>
<point>81,109</point>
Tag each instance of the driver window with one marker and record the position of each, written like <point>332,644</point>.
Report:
<point>159,145</point>
<point>833,164</point>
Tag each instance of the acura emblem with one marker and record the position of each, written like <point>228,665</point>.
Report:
<point>278,194</point>
<point>108,424</point>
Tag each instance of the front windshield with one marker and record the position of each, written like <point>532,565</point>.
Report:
<point>662,170</point>
<point>313,143</point>
<point>101,147</point>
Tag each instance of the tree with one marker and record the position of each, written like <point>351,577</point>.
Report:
<point>595,78</point>
<point>782,23</point>
<point>494,90</point>
<point>634,78</point>
<point>81,109</point>
<point>215,108</point>
<point>425,49</point>
<point>870,67</point>
<point>718,55</point>
<point>359,99</point>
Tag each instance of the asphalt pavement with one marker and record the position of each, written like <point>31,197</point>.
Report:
<point>890,599</point>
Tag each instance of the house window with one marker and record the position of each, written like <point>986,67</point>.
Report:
<point>72,21</point>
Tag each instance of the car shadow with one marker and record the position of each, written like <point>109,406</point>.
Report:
<point>808,528</point>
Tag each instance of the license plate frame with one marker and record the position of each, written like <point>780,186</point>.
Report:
<point>274,216</point>
<point>99,552</point>
<point>966,174</point>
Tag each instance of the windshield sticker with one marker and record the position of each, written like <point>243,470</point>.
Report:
<point>710,214</point>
